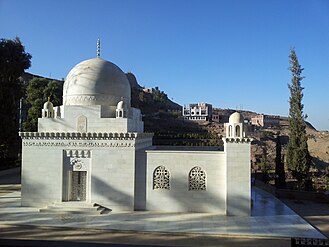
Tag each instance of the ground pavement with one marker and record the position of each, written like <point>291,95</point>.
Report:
<point>272,224</point>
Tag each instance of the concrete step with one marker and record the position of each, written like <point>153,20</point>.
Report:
<point>73,204</point>
<point>75,208</point>
<point>102,209</point>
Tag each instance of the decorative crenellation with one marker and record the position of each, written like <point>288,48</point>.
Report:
<point>80,144</point>
<point>78,153</point>
<point>238,140</point>
<point>84,135</point>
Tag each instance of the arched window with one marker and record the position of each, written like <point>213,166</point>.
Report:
<point>120,113</point>
<point>237,131</point>
<point>161,178</point>
<point>230,130</point>
<point>197,179</point>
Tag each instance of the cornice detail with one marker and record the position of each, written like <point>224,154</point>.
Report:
<point>84,136</point>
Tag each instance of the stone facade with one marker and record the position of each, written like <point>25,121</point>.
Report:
<point>97,152</point>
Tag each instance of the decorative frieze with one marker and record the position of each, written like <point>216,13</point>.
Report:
<point>68,99</point>
<point>81,144</point>
<point>84,136</point>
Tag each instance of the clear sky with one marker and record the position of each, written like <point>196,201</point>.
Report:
<point>232,54</point>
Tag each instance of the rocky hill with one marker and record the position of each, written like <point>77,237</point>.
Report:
<point>163,117</point>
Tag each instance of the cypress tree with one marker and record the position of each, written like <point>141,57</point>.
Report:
<point>280,179</point>
<point>298,157</point>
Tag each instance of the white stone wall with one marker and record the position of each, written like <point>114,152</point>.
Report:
<point>140,180</point>
<point>109,161</point>
<point>41,175</point>
<point>94,121</point>
<point>112,178</point>
<point>179,198</point>
<point>238,176</point>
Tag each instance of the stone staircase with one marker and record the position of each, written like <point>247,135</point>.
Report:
<point>75,208</point>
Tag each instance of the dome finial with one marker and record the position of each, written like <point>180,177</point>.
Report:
<point>98,48</point>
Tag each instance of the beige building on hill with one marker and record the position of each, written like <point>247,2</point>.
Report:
<point>265,121</point>
<point>93,150</point>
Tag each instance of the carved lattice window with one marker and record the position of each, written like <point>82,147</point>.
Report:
<point>197,179</point>
<point>161,178</point>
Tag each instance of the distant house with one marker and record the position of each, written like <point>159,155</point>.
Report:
<point>198,112</point>
<point>216,118</point>
<point>265,121</point>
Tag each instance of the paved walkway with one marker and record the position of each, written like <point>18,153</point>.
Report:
<point>271,222</point>
<point>270,217</point>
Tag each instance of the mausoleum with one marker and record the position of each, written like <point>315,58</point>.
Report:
<point>93,149</point>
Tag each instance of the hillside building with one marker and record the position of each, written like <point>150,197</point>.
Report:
<point>93,149</point>
<point>198,112</point>
<point>265,121</point>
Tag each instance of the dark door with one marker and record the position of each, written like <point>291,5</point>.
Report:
<point>78,190</point>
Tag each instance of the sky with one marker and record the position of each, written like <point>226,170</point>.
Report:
<point>231,54</point>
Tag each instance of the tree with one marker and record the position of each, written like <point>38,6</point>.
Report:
<point>13,61</point>
<point>37,93</point>
<point>298,157</point>
<point>280,179</point>
<point>264,165</point>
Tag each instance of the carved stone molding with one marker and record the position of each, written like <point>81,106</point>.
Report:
<point>84,136</point>
<point>80,144</point>
<point>69,99</point>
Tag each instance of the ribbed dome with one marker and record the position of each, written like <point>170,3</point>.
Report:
<point>96,82</point>
<point>235,118</point>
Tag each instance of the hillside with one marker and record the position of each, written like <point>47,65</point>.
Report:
<point>163,117</point>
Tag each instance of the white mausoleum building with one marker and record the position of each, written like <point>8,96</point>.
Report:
<point>93,149</point>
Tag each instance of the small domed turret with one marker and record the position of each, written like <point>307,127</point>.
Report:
<point>234,127</point>
<point>121,111</point>
<point>48,109</point>
<point>121,105</point>
<point>236,117</point>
